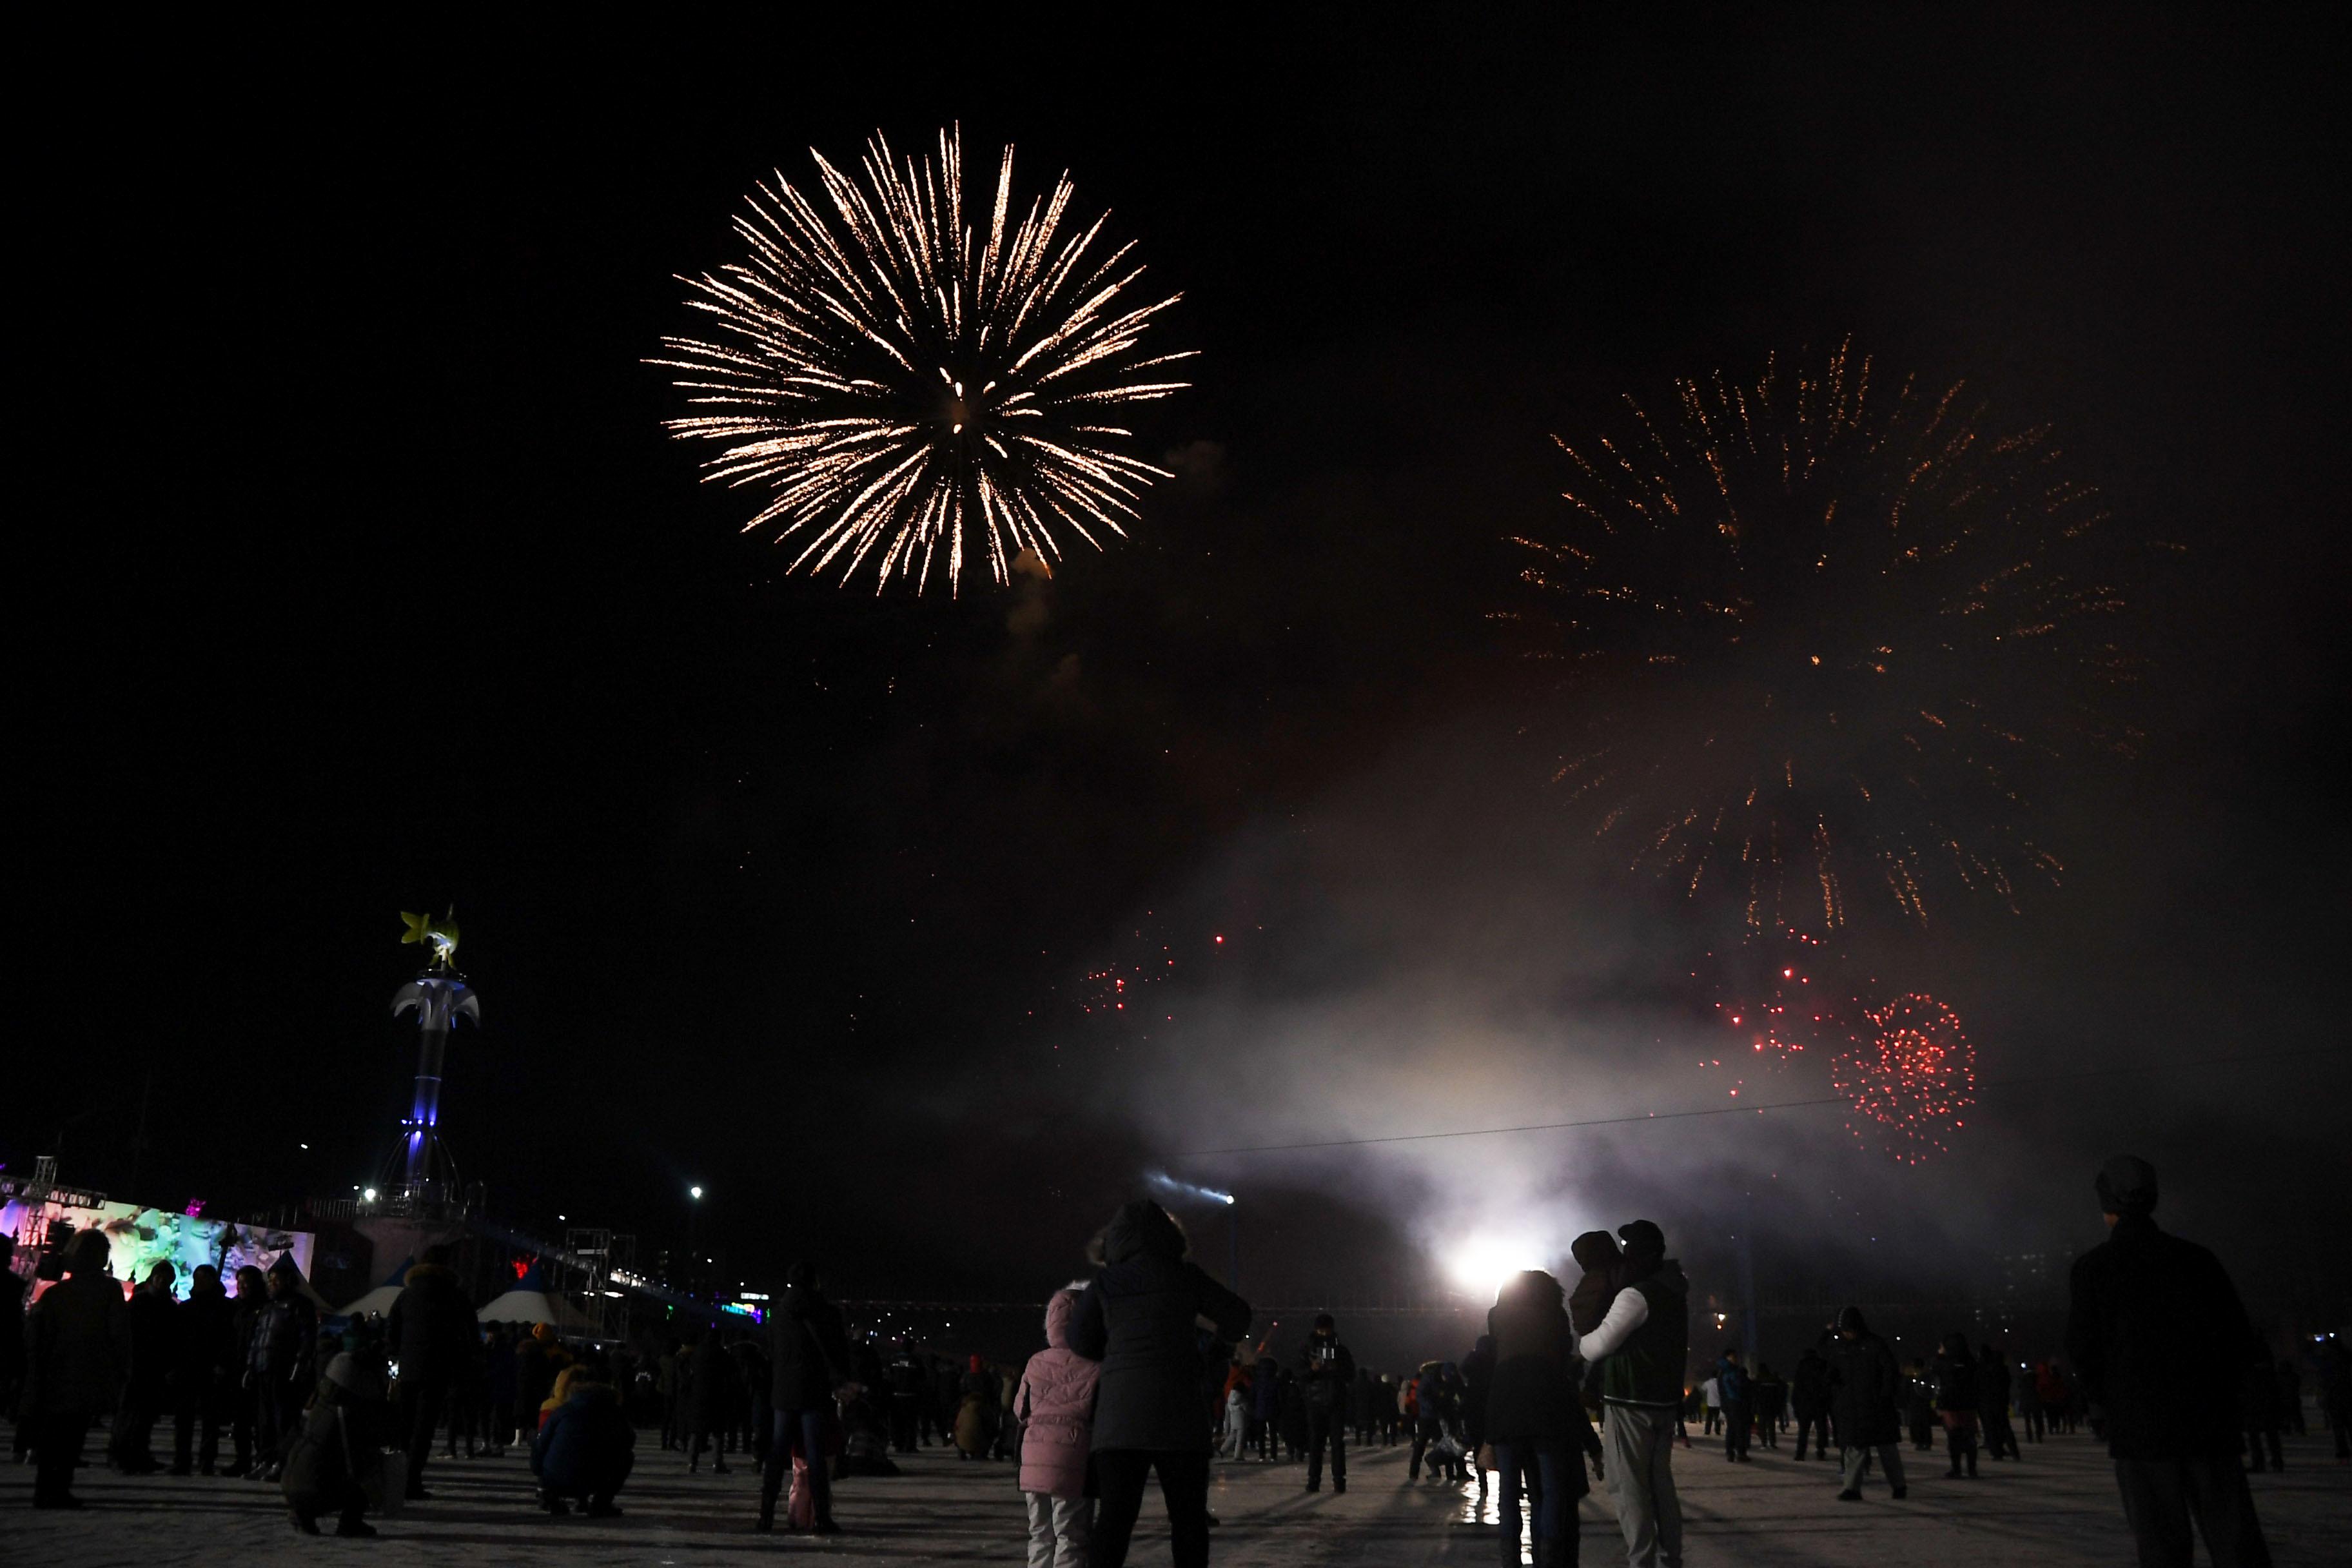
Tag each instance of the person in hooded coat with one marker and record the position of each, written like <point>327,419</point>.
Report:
<point>431,1333</point>
<point>1641,1345</point>
<point>335,1459</point>
<point>1136,1318</point>
<point>1955,1378</point>
<point>1266,1405</point>
<point>585,1450</point>
<point>77,1349</point>
<point>1534,1417</point>
<point>1864,1383</point>
<point>1054,1401</point>
<point>1809,1400</point>
<point>808,1361</point>
<point>2159,1341</point>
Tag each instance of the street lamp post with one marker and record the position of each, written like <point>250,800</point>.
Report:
<point>693,1225</point>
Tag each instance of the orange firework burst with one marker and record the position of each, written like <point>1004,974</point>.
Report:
<point>1823,631</point>
<point>1910,1077</point>
<point>905,386</point>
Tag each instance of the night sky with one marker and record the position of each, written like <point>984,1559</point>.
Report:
<point>362,577</point>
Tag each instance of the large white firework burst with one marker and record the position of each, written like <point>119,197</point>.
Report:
<point>911,389</point>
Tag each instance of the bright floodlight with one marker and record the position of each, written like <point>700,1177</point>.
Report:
<point>1483,1262</point>
<point>368,1196</point>
<point>694,1192</point>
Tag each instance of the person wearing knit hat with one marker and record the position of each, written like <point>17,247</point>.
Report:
<point>1641,1345</point>
<point>2161,1344</point>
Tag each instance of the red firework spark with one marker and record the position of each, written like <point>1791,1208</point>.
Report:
<point>1911,1077</point>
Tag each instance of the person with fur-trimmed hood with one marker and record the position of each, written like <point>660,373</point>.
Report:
<point>1054,1403</point>
<point>586,1448</point>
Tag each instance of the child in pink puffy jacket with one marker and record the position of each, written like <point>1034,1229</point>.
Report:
<point>1056,1403</point>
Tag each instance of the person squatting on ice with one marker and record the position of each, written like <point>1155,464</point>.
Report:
<point>1640,1346</point>
<point>1136,1318</point>
<point>1056,1402</point>
<point>1534,1418</point>
<point>2160,1341</point>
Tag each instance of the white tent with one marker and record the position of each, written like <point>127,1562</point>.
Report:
<point>526,1306</point>
<point>374,1304</point>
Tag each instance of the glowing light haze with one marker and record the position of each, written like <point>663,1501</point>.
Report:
<point>905,386</point>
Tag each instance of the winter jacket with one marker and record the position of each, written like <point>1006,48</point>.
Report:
<point>1955,1381</point>
<point>1478,1386</point>
<point>1266,1393</point>
<point>431,1329</point>
<point>1534,1397</point>
<point>1993,1387</point>
<point>78,1347</point>
<point>208,1355</point>
<point>1326,1369</point>
<point>808,1350</point>
<point>586,1448</point>
<point>153,1319</point>
<point>1644,1340</point>
<point>976,1410</point>
<point>1056,1401</point>
<point>285,1345</point>
<point>1809,1387</point>
<point>2160,1341</point>
<point>336,1461</point>
<point>715,1396</point>
<point>1731,1382</point>
<point>1138,1318</point>
<point>1864,1383</point>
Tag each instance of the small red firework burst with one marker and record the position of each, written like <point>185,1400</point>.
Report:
<point>1911,1076</point>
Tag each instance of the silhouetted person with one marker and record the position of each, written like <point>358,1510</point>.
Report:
<point>1640,1346</point>
<point>1138,1318</point>
<point>431,1333</point>
<point>1327,1372</point>
<point>714,1390</point>
<point>1809,1399</point>
<point>154,1355</point>
<point>205,1373</point>
<point>78,1346</point>
<point>1535,1418</point>
<point>1864,1383</point>
<point>280,1363</point>
<point>808,1360</point>
<point>1992,1404</point>
<point>2261,1407</point>
<point>2159,1342</point>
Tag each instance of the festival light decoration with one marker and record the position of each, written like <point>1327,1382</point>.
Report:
<point>1911,1076</point>
<point>1821,633</point>
<point>906,385</point>
<point>438,996</point>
